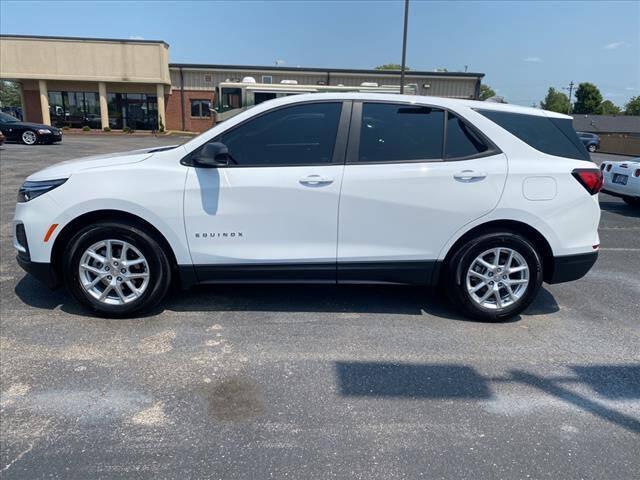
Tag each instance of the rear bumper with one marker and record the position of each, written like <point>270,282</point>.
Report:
<point>41,271</point>
<point>618,194</point>
<point>571,267</point>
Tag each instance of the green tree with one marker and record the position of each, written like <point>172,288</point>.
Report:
<point>555,101</point>
<point>588,99</point>
<point>392,66</point>
<point>486,92</point>
<point>609,108</point>
<point>9,94</point>
<point>633,107</point>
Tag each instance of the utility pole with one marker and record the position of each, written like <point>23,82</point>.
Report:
<point>570,88</point>
<point>404,45</point>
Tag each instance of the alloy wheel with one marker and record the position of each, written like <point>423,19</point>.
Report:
<point>497,278</point>
<point>114,272</point>
<point>29,137</point>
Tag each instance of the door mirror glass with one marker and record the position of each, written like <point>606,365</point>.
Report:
<point>214,154</point>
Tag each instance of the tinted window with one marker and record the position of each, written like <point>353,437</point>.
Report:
<point>462,140</point>
<point>392,132</point>
<point>296,135</point>
<point>553,136</point>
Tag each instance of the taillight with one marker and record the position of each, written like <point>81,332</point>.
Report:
<point>609,167</point>
<point>589,178</point>
<point>637,173</point>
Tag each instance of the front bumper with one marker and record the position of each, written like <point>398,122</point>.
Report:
<point>51,137</point>
<point>41,271</point>
<point>571,267</point>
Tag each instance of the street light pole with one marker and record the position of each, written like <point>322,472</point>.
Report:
<point>404,45</point>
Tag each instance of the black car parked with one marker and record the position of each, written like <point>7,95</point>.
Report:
<point>591,141</point>
<point>26,132</point>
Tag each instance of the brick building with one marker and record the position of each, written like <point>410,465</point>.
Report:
<point>120,84</point>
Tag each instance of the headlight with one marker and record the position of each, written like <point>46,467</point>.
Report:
<point>30,190</point>
<point>44,131</point>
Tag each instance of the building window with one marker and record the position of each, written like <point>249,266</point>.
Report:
<point>207,78</point>
<point>137,111</point>
<point>74,109</point>
<point>200,108</point>
<point>267,79</point>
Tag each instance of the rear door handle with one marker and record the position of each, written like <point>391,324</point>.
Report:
<point>469,176</point>
<point>316,180</point>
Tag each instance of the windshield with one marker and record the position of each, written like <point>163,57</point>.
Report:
<point>6,118</point>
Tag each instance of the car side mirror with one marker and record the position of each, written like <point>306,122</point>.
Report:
<point>215,154</point>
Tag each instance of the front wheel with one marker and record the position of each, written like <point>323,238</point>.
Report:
<point>495,276</point>
<point>116,270</point>
<point>29,137</point>
<point>592,148</point>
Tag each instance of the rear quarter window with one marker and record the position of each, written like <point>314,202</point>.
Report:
<point>553,136</point>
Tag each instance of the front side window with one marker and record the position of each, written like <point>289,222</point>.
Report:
<point>462,140</point>
<point>296,135</point>
<point>396,133</point>
<point>553,136</point>
<point>200,108</point>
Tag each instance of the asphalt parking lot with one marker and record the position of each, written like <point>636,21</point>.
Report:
<point>318,382</point>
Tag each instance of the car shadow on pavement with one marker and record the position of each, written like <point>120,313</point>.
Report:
<point>606,383</point>
<point>359,299</point>
<point>620,208</point>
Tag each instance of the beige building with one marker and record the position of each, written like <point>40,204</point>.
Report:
<point>77,81</point>
<point>120,84</point>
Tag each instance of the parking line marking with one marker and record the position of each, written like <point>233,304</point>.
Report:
<point>621,249</point>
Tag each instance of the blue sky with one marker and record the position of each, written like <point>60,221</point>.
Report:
<point>523,47</point>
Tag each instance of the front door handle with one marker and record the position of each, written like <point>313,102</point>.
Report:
<point>316,180</point>
<point>469,176</point>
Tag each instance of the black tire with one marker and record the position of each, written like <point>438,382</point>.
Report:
<point>29,137</point>
<point>633,201</point>
<point>457,267</point>
<point>592,148</point>
<point>159,268</point>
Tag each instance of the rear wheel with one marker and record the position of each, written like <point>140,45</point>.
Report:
<point>116,270</point>
<point>29,137</point>
<point>495,276</point>
<point>633,201</point>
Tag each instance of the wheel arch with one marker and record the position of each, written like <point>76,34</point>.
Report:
<point>71,228</point>
<point>533,235</point>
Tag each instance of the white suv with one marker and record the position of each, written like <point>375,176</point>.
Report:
<point>486,200</point>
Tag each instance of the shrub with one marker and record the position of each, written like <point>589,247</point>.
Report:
<point>86,128</point>
<point>66,127</point>
<point>106,129</point>
<point>127,130</point>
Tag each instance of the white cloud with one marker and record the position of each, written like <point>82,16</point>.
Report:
<point>631,89</point>
<point>136,37</point>
<point>532,59</point>
<point>614,45</point>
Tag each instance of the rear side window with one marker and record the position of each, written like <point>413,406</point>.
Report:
<point>462,140</point>
<point>394,133</point>
<point>553,136</point>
